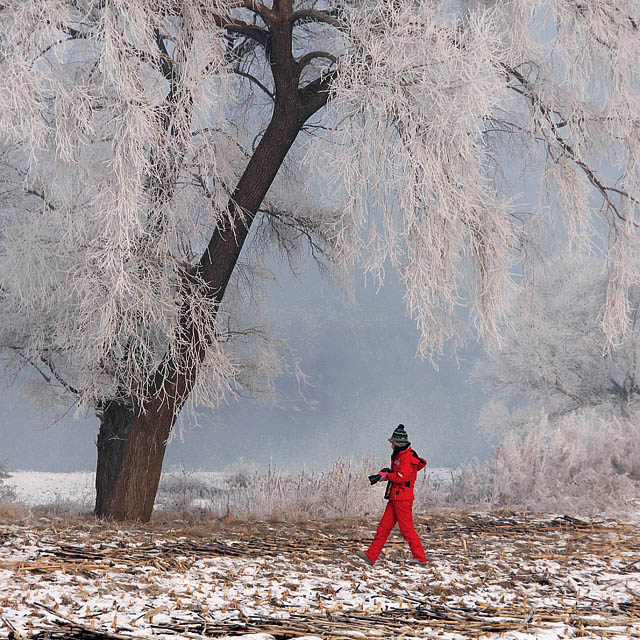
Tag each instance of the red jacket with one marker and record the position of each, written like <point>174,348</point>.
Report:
<point>404,469</point>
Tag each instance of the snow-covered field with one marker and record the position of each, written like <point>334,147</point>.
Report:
<point>499,575</point>
<point>39,487</point>
<point>45,488</point>
<point>491,576</point>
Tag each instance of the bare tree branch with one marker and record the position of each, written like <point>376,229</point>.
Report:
<point>316,15</point>
<point>547,113</point>
<point>307,58</point>
<point>255,81</point>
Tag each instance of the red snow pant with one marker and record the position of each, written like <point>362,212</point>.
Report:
<point>399,511</point>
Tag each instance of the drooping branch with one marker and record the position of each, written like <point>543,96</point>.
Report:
<point>528,91</point>
<point>302,227</point>
<point>161,181</point>
<point>234,25</point>
<point>255,81</point>
<point>34,192</point>
<point>69,387</point>
<point>165,64</point>
<point>160,63</point>
<point>46,360</point>
<point>584,7</point>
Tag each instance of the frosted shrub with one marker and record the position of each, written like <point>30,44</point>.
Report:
<point>430,491</point>
<point>341,490</point>
<point>583,462</point>
<point>472,485</point>
<point>184,491</point>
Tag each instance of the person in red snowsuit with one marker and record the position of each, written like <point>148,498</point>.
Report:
<point>405,464</point>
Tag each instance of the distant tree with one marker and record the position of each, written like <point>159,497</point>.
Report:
<point>554,357</point>
<point>143,139</point>
<point>565,402</point>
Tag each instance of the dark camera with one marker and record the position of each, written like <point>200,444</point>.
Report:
<point>376,476</point>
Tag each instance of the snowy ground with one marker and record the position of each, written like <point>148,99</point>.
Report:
<point>39,487</point>
<point>44,488</point>
<point>490,576</point>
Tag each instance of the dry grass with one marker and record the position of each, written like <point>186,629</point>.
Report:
<point>13,513</point>
<point>341,490</point>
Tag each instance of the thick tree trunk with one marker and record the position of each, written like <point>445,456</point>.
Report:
<point>116,421</point>
<point>127,489</point>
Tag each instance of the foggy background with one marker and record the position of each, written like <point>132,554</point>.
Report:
<point>364,380</point>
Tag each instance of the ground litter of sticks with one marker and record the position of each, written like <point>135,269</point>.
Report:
<point>488,575</point>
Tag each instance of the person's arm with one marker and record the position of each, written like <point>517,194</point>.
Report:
<point>420,463</point>
<point>402,473</point>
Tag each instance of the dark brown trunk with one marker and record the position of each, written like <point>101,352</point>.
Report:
<point>138,465</point>
<point>116,420</point>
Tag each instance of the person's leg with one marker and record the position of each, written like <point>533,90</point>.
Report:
<point>387,522</point>
<point>404,513</point>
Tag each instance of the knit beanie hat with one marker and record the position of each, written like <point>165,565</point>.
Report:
<point>399,436</point>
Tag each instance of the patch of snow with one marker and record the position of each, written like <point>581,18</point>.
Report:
<point>40,487</point>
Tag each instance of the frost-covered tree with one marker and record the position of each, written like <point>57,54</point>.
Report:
<point>565,407</point>
<point>554,357</point>
<point>143,139</point>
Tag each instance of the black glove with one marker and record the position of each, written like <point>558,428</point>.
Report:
<point>376,476</point>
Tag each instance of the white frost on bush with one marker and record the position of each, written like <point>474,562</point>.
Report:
<point>584,462</point>
<point>340,490</point>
